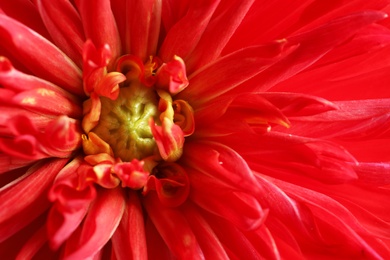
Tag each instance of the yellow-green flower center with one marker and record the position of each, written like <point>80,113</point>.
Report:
<point>124,122</point>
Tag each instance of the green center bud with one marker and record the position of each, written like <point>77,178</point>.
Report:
<point>124,122</point>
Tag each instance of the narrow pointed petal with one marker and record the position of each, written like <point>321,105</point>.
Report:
<point>243,209</point>
<point>129,240</point>
<point>33,245</point>
<point>25,198</point>
<point>98,227</point>
<point>184,35</point>
<point>228,16</point>
<point>143,34</point>
<point>183,244</point>
<point>208,241</point>
<point>230,71</point>
<point>312,46</point>
<point>64,25</point>
<point>39,55</point>
<point>25,12</point>
<point>220,162</point>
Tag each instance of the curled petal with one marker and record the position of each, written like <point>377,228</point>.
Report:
<point>100,174</point>
<point>91,110</point>
<point>93,144</point>
<point>171,184</point>
<point>60,138</point>
<point>70,205</point>
<point>95,77</point>
<point>184,116</point>
<point>97,14</point>
<point>169,138</point>
<point>132,174</point>
<point>172,76</point>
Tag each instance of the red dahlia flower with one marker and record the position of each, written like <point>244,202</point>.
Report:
<point>214,129</point>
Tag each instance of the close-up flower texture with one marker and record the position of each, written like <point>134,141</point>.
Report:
<point>194,129</point>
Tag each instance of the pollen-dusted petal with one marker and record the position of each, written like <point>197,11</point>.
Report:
<point>97,14</point>
<point>99,225</point>
<point>25,198</point>
<point>129,240</point>
<point>183,244</point>
<point>228,15</point>
<point>211,247</point>
<point>185,34</point>
<point>39,55</point>
<point>64,25</point>
<point>228,72</point>
<point>48,102</point>
<point>13,79</point>
<point>243,210</point>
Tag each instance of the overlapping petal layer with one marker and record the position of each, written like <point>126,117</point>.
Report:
<point>271,136</point>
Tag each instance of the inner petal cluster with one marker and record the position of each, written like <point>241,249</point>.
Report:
<point>134,127</point>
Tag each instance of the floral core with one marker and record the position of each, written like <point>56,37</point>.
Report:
<point>124,122</point>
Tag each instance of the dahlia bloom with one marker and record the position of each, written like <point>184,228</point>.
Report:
<point>208,129</point>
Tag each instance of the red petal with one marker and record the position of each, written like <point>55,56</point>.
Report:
<point>32,246</point>
<point>243,210</point>
<point>39,55</point>
<point>99,225</point>
<point>230,71</point>
<point>228,15</point>
<point>99,25</point>
<point>25,198</point>
<point>173,228</point>
<point>129,240</point>
<point>64,25</point>
<point>208,241</point>
<point>220,162</point>
<point>25,12</point>
<point>185,34</point>
<point>312,46</point>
